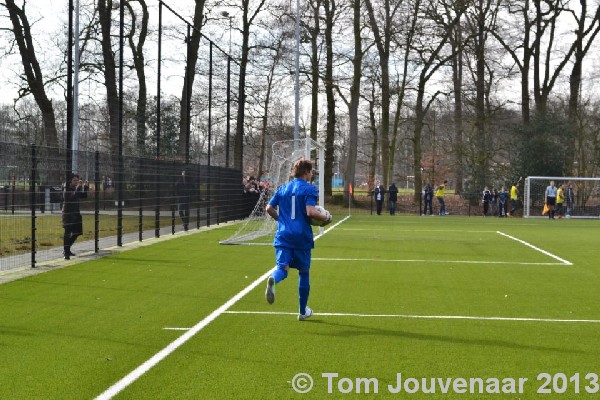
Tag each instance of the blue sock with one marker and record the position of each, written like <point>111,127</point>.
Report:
<point>303,290</point>
<point>279,275</point>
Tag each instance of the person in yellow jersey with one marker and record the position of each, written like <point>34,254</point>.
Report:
<point>514,197</point>
<point>439,194</point>
<point>560,200</point>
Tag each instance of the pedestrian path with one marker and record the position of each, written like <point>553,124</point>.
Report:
<point>50,259</point>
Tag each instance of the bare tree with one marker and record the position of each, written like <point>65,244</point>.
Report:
<point>32,71</point>
<point>330,12</point>
<point>353,102</point>
<point>248,17</point>
<point>105,8</point>
<point>382,37</point>
<point>193,45</point>
<point>434,36</point>
<point>585,34</point>
<point>137,50</point>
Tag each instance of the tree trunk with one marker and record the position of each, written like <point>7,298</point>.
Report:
<point>188,80</point>
<point>457,80</point>
<point>382,41</point>
<point>350,164</point>
<point>35,79</point>
<point>139,64</point>
<point>110,77</point>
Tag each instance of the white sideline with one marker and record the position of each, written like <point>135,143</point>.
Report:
<point>536,248</point>
<point>406,316</point>
<point>174,345</point>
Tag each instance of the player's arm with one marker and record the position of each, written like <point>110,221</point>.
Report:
<point>312,212</point>
<point>272,211</point>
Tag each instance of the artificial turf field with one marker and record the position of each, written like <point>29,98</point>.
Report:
<point>445,299</point>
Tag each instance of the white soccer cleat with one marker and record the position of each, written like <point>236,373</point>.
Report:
<point>307,314</point>
<point>270,292</point>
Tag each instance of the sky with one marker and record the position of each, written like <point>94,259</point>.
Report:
<point>49,17</point>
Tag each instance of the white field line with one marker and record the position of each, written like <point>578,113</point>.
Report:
<point>565,262</point>
<point>174,345</point>
<point>433,261</point>
<point>405,316</point>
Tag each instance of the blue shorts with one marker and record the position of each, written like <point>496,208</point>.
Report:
<point>294,258</point>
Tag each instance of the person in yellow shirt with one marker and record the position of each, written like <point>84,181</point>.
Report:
<point>439,194</point>
<point>514,197</point>
<point>560,200</point>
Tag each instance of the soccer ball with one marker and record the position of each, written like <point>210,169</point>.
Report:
<point>317,222</point>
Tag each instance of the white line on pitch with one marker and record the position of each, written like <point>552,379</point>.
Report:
<point>174,345</point>
<point>434,261</point>
<point>565,262</point>
<point>405,316</point>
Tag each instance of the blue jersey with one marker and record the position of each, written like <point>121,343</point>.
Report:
<point>293,226</point>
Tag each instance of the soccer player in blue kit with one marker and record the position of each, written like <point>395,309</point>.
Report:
<point>292,206</point>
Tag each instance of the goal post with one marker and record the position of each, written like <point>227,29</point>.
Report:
<point>584,202</point>
<point>259,228</point>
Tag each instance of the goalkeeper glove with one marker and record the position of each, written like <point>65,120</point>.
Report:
<point>328,220</point>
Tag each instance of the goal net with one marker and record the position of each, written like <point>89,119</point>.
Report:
<point>581,201</point>
<point>259,228</point>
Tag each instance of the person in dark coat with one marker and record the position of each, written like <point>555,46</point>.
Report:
<point>392,198</point>
<point>74,190</point>
<point>182,187</point>
<point>428,199</point>
<point>379,193</point>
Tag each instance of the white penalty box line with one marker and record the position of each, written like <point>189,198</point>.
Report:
<point>560,260</point>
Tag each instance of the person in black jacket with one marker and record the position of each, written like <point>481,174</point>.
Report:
<point>392,198</point>
<point>182,187</point>
<point>428,199</point>
<point>486,200</point>
<point>379,193</point>
<point>74,190</point>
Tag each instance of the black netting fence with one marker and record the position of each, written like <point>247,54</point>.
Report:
<point>129,199</point>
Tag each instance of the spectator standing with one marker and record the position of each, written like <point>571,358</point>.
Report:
<point>73,191</point>
<point>502,202</point>
<point>379,193</point>
<point>494,201</point>
<point>428,199</point>
<point>486,200</point>
<point>392,198</point>
<point>183,191</point>
<point>439,194</point>
<point>569,199</point>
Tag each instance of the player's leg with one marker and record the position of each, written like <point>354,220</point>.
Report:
<point>303,293</point>
<point>283,259</point>
<point>302,262</point>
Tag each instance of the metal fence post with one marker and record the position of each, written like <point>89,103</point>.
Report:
<point>97,202</point>
<point>32,203</point>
